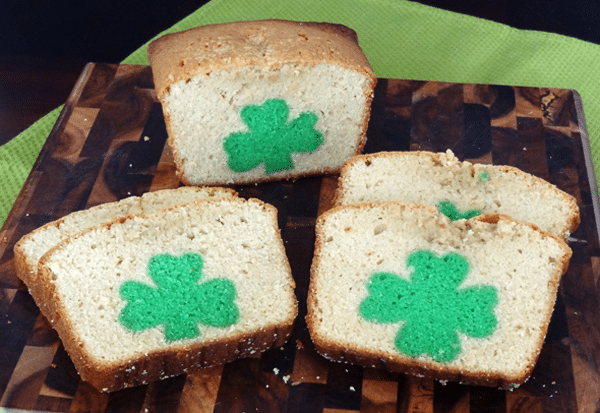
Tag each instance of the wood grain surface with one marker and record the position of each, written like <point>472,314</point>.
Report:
<point>110,142</point>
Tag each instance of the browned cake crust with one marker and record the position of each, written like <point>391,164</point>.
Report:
<point>179,57</point>
<point>346,353</point>
<point>269,43</point>
<point>528,182</point>
<point>159,363</point>
<point>26,266</point>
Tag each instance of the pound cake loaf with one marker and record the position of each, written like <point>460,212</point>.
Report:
<point>402,287</point>
<point>32,246</point>
<point>148,297</point>
<point>262,100</point>
<point>458,189</point>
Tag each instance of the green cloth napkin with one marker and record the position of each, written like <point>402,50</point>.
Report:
<point>401,39</point>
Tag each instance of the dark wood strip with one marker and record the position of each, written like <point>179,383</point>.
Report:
<point>164,396</point>
<point>245,387</point>
<point>14,330</point>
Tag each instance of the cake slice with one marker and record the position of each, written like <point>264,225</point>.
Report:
<point>262,100</point>
<point>144,298</point>
<point>30,248</point>
<point>401,287</point>
<point>458,189</point>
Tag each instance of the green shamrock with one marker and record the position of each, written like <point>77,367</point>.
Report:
<point>180,302</point>
<point>431,305</point>
<point>271,139</point>
<point>484,176</point>
<point>451,211</point>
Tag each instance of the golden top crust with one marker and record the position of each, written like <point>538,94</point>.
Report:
<point>268,43</point>
<point>528,182</point>
<point>345,221</point>
<point>160,362</point>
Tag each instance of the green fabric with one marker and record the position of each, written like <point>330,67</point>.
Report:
<point>402,40</point>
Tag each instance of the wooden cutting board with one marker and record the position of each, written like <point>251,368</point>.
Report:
<point>110,142</point>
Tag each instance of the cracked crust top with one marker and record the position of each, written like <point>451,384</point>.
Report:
<point>205,49</point>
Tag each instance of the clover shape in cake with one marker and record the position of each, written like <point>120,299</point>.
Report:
<point>431,305</point>
<point>179,301</point>
<point>451,211</point>
<point>271,139</point>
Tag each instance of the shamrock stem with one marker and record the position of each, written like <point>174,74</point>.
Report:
<point>282,163</point>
